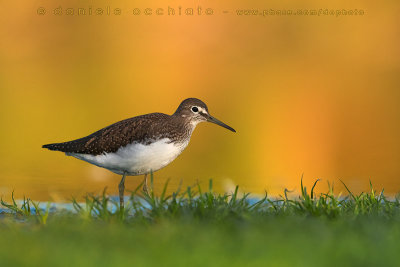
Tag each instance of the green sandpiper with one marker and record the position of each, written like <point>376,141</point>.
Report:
<point>141,144</point>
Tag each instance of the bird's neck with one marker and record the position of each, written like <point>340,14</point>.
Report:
<point>184,123</point>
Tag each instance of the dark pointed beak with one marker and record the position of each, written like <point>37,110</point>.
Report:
<point>218,122</point>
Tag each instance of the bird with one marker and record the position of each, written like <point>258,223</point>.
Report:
<point>142,144</point>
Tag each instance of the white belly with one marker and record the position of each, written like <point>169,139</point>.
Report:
<point>136,159</point>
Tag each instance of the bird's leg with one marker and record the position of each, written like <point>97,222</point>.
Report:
<point>145,189</point>
<point>121,188</point>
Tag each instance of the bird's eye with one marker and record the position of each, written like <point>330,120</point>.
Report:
<point>195,109</point>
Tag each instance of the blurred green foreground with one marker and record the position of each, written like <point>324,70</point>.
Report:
<point>273,242</point>
<point>196,228</point>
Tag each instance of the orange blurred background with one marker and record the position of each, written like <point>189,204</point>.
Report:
<point>317,95</point>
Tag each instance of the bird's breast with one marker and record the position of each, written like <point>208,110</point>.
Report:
<point>137,158</point>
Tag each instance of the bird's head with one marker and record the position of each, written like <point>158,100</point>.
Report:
<point>195,111</point>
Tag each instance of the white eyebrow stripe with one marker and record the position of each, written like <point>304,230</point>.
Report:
<point>202,110</point>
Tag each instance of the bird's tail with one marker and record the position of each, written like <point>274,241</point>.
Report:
<point>54,147</point>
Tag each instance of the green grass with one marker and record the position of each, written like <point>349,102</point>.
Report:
<point>201,228</point>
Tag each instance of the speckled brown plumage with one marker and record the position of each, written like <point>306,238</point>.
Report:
<point>142,129</point>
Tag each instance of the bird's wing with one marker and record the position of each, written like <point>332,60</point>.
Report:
<point>111,138</point>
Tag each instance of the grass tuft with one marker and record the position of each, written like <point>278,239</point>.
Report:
<point>192,226</point>
<point>195,204</point>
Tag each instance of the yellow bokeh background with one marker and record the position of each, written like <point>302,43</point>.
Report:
<point>312,95</point>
